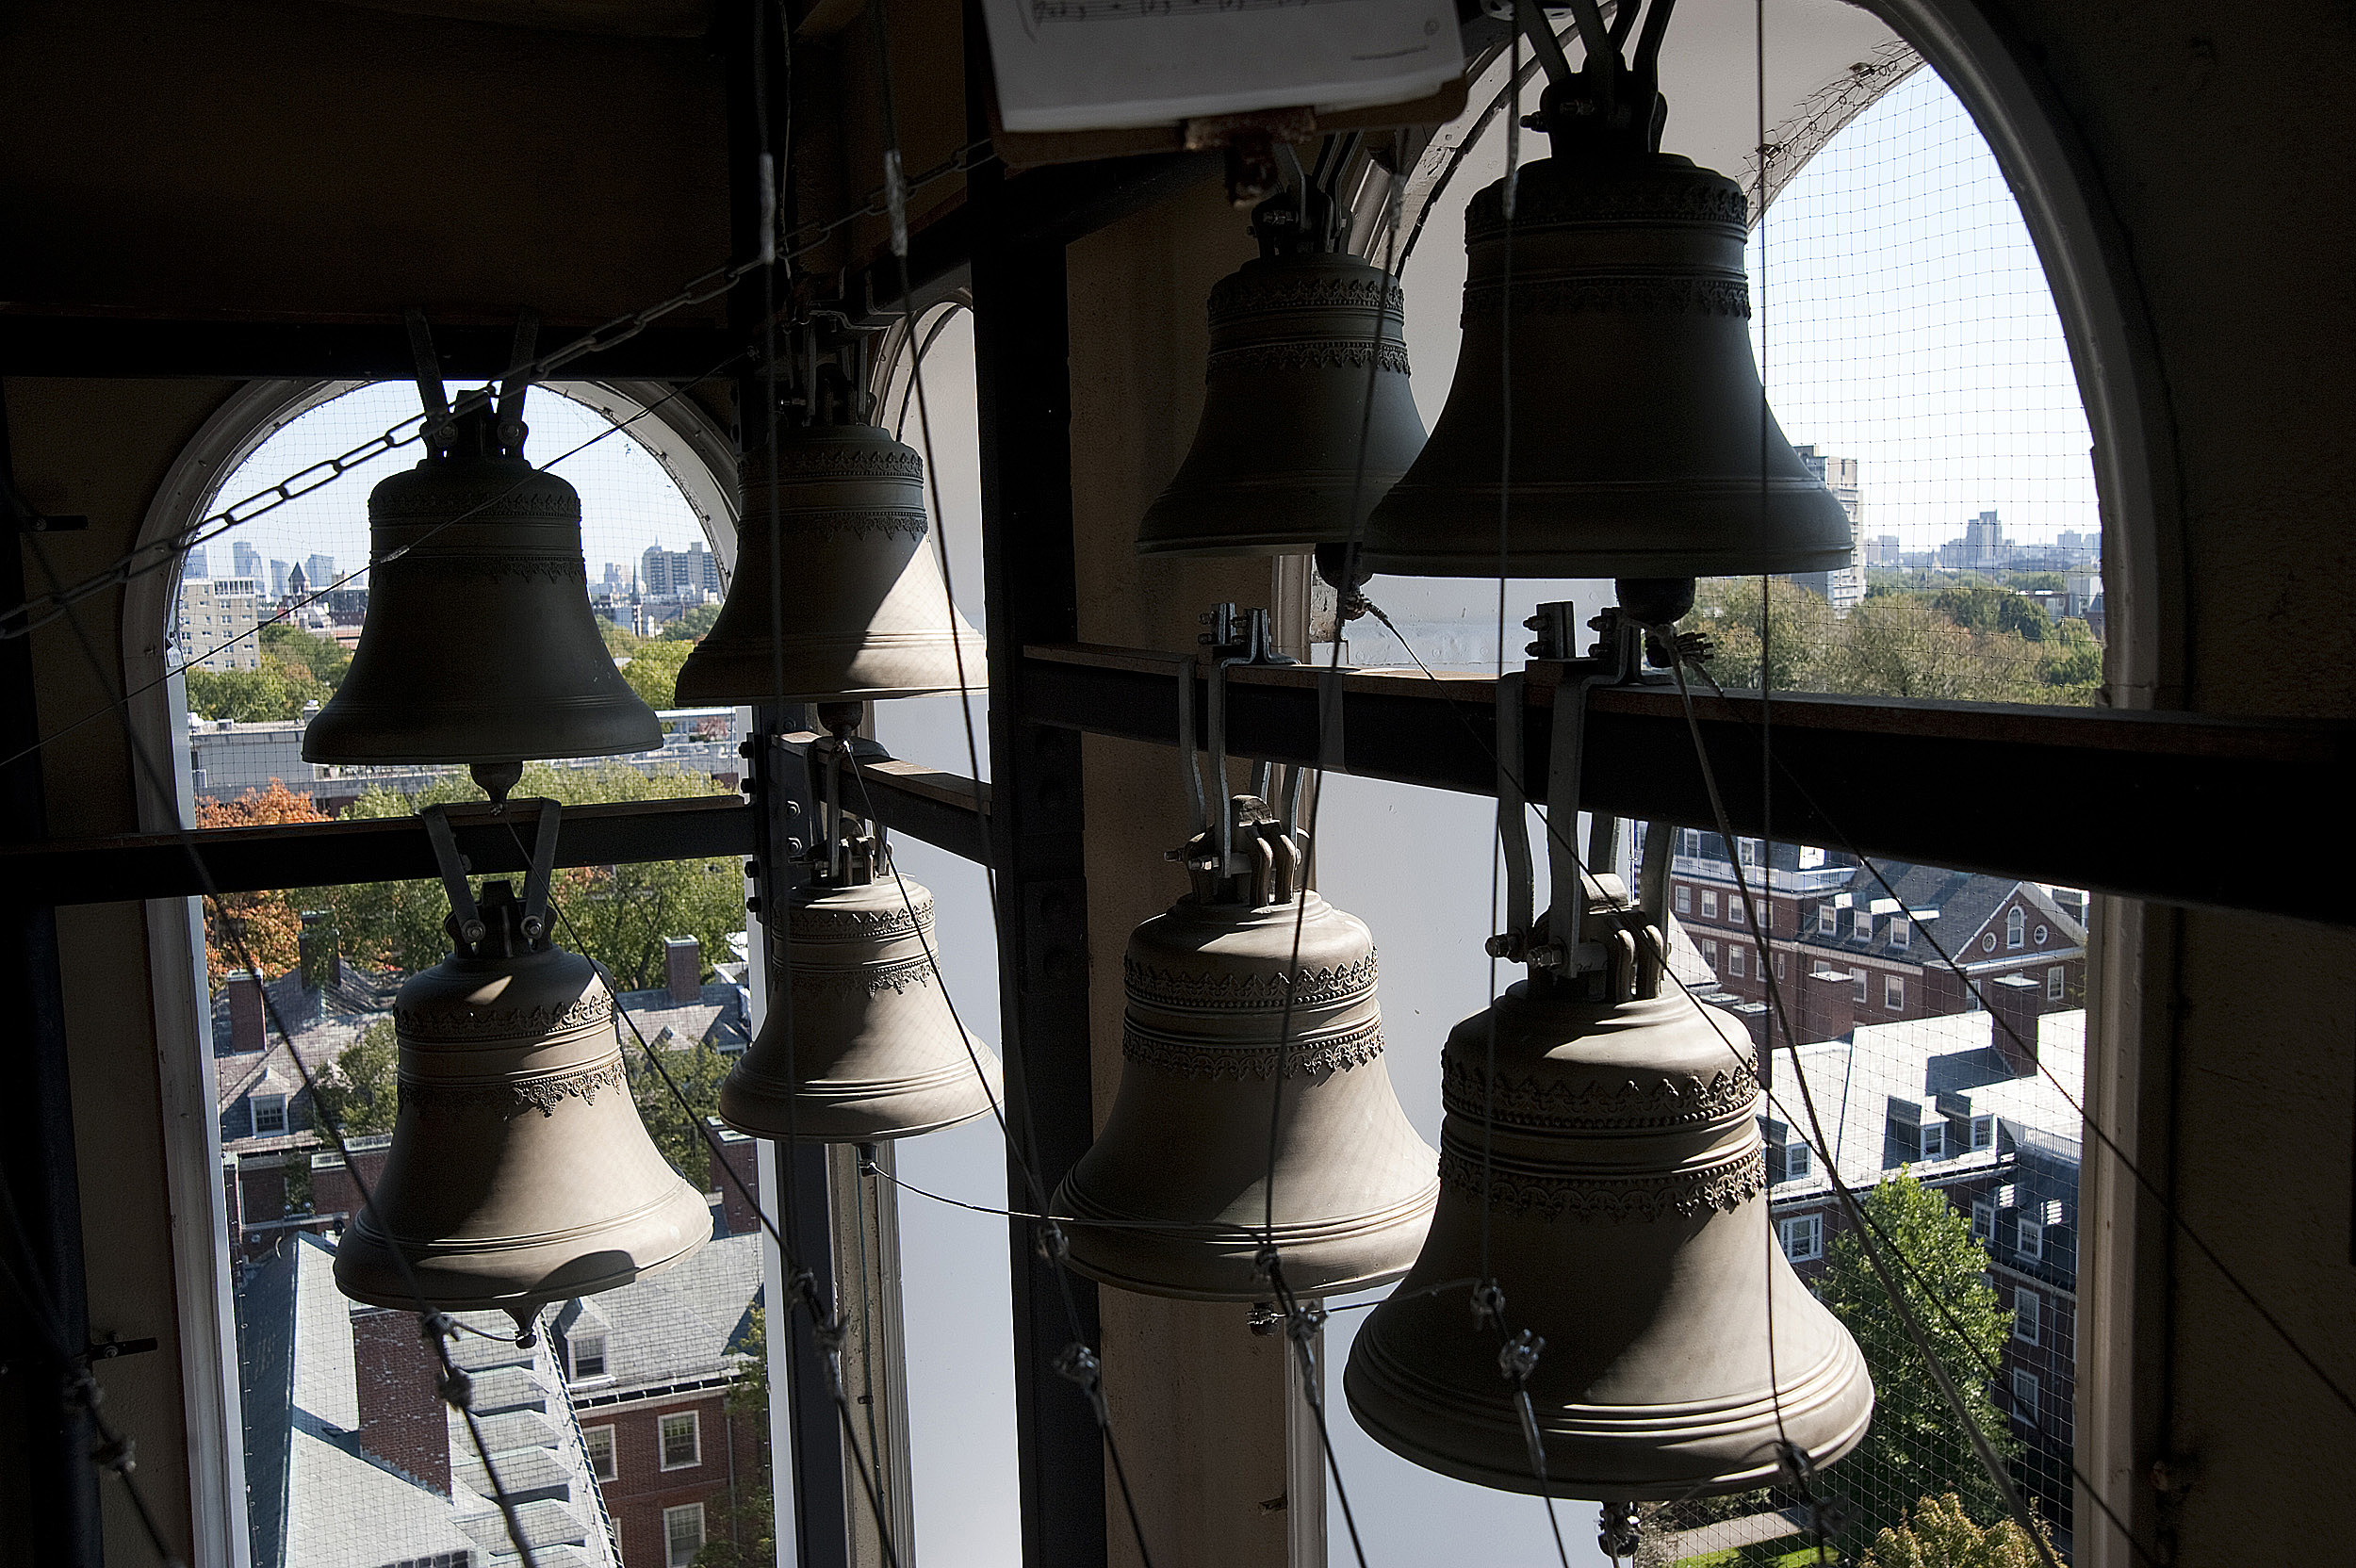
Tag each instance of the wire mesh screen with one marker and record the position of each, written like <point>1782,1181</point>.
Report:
<point>1912,355</point>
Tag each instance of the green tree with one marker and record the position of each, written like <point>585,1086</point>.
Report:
<point>1799,629</point>
<point>1900,645</point>
<point>2072,663</point>
<point>296,649</point>
<point>361,1089</point>
<point>1985,606</point>
<point>1941,1534</point>
<point>621,642</point>
<point>2038,582</point>
<point>675,1119</point>
<point>653,671</point>
<point>743,1523</point>
<point>616,915</point>
<point>1917,1446</point>
<point>693,626</point>
<point>275,691</point>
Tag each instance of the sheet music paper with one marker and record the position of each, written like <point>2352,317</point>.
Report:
<point>1074,65</point>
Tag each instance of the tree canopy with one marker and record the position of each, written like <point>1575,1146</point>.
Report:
<point>653,671</point>
<point>270,923</point>
<point>360,1091</point>
<point>693,626</point>
<point>1917,1447</point>
<point>1966,641</point>
<point>1941,1534</point>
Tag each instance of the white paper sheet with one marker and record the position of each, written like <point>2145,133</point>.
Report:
<point>1073,65</point>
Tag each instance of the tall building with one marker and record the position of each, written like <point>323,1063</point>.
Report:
<point>319,570</point>
<point>1982,548</point>
<point>668,574</point>
<point>1844,586</point>
<point>215,624</point>
<point>248,560</point>
<point>278,579</point>
<point>193,564</point>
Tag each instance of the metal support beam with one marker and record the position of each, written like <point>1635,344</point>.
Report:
<point>1021,348</point>
<point>332,351</point>
<point>45,1446</point>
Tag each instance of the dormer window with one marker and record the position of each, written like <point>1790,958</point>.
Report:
<point>269,1113</point>
<point>1828,921</point>
<point>1982,1132</point>
<point>587,1346</point>
<point>1901,932</point>
<point>1933,1144</point>
<point>1861,924</point>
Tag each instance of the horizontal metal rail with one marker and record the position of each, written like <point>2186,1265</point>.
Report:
<point>2086,797</point>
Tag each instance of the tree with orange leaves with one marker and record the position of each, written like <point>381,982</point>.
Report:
<point>270,923</point>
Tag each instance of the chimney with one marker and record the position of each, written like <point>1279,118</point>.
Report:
<point>736,1210</point>
<point>2012,1003</point>
<point>245,1013</point>
<point>401,1420</point>
<point>322,964</point>
<point>683,967</point>
<point>1827,1005</point>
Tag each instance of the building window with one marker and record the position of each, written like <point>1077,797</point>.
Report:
<point>683,1534</point>
<point>2056,982</point>
<point>1748,850</point>
<point>1988,942</point>
<point>1685,899</point>
<point>1934,1140</point>
<point>1803,1238</point>
<point>2025,1393</point>
<point>1971,996</point>
<point>1861,924</point>
<point>1779,958</point>
<point>1901,932</point>
<point>588,1352</point>
<point>2028,1317</point>
<point>1828,921</point>
<point>600,1441</point>
<point>1798,1163</point>
<point>1983,1137</point>
<point>1894,993</point>
<point>1709,905</point>
<point>2029,1236</point>
<point>2015,928</point>
<point>681,1443</point>
<point>1856,977</point>
<point>2039,934</point>
<point>1736,961</point>
<point>1983,1217</point>
<point>1692,847</point>
<point>269,1113</point>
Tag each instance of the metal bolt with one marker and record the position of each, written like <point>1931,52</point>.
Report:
<point>752,906</point>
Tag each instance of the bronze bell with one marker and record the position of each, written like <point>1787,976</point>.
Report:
<point>1178,1178</point>
<point>874,1051</point>
<point>1620,1157</point>
<point>866,613</point>
<point>479,644</point>
<point>1300,344</point>
<point>1638,447</point>
<point>519,1172</point>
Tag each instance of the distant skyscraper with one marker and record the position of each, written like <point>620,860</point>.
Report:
<point>277,579</point>
<point>319,571</point>
<point>194,566</point>
<point>668,574</point>
<point>247,559</point>
<point>1844,586</point>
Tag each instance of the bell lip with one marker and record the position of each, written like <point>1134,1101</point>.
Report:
<point>818,1126</point>
<point>1188,1256</point>
<point>355,734</point>
<point>758,1110</point>
<point>1834,1381</point>
<point>748,678</point>
<point>397,1296</point>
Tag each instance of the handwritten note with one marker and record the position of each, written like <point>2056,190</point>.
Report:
<point>1074,65</point>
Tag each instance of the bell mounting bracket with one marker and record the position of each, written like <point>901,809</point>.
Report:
<point>1612,105</point>
<point>507,412</point>
<point>1235,637</point>
<point>1588,932</point>
<point>466,924</point>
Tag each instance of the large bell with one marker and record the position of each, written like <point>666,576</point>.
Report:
<point>875,1052</point>
<point>866,614</point>
<point>1300,344</point>
<point>479,644</point>
<point>519,1172</point>
<point>1178,1179</point>
<point>1619,1153</point>
<point>1641,445</point>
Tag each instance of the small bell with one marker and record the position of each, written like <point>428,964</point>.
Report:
<point>1306,411</point>
<point>875,1052</point>
<point>1642,443</point>
<point>866,613</point>
<point>1250,985</point>
<point>519,1173</point>
<point>1617,1150</point>
<point>480,645</point>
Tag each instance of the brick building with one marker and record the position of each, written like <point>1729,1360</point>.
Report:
<point>1832,924</point>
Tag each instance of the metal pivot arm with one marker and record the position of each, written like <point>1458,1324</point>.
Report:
<point>1615,661</point>
<point>1234,638</point>
<point>466,924</point>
